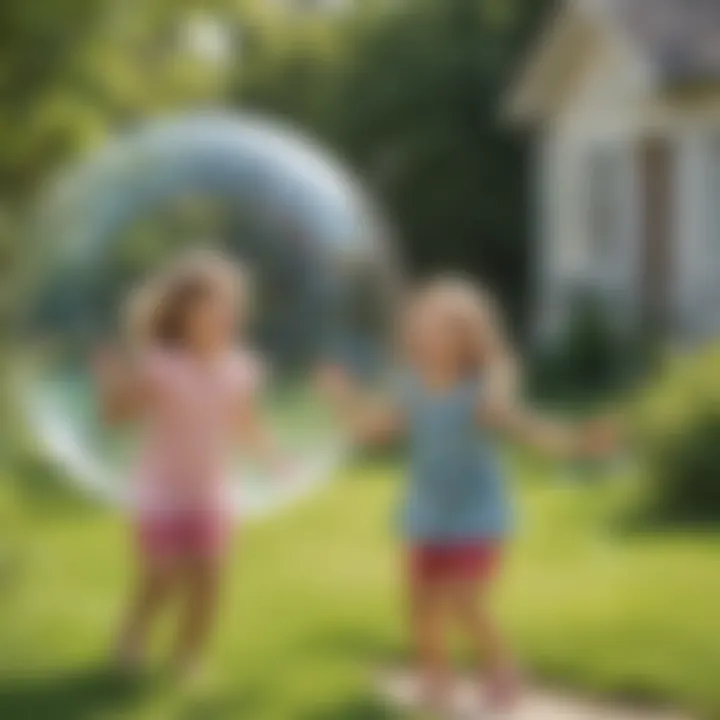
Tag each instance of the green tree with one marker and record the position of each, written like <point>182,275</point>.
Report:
<point>410,93</point>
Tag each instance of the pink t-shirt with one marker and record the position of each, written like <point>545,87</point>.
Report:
<point>192,407</point>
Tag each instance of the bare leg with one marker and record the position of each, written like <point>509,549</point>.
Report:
<point>475,615</point>
<point>201,577</point>
<point>427,625</point>
<point>157,579</point>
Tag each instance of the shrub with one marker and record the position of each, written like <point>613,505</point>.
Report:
<point>588,359</point>
<point>676,420</point>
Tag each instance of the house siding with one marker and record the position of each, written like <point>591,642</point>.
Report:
<point>616,107</point>
<point>692,229</point>
<point>600,117</point>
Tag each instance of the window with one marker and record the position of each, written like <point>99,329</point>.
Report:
<point>606,203</point>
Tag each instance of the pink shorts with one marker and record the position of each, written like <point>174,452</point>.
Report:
<point>475,561</point>
<point>184,533</point>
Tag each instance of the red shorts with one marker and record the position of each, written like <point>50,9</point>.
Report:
<point>184,533</point>
<point>475,561</point>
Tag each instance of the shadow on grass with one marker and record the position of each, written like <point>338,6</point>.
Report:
<point>362,648</point>
<point>220,708</point>
<point>89,694</point>
<point>359,708</point>
<point>646,520</point>
<point>73,696</point>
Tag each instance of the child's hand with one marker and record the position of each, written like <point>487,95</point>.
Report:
<point>598,438</point>
<point>282,467</point>
<point>334,384</point>
<point>120,398</point>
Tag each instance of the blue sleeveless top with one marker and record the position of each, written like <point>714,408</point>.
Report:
<point>457,490</point>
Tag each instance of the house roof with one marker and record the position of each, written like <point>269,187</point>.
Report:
<point>680,38</point>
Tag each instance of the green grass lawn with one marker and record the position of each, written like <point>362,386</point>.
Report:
<point>313,606</point>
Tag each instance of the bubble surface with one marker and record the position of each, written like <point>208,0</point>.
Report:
<point>323,280</point>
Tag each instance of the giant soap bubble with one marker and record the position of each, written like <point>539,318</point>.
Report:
<point>257,190</point>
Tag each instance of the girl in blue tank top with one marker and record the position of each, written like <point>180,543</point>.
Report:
<point>454,394</point>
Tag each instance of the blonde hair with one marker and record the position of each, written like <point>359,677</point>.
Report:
<point>156,311</point>
<point>480,335</point>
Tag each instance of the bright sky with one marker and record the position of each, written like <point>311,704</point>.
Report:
<point>210,39</point>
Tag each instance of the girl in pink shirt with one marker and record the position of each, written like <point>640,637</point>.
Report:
<point>194,391</point>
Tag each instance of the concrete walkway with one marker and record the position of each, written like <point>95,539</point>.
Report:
<point>400,689</point>
<point>553,706</point>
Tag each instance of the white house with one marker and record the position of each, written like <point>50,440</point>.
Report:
<point>314,6</point>
<point>625,98</point>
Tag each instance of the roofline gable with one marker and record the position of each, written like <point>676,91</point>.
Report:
<point>526,98</point>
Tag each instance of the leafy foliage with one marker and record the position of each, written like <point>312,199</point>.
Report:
<point>411,97</point>
<point>585,361</point>
<point>408,92</point>
<point>677,422</point>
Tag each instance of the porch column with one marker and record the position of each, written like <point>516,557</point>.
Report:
<point>658,216</point>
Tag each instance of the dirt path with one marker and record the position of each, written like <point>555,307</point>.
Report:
<point>401,691</point>
<point>552,706</point>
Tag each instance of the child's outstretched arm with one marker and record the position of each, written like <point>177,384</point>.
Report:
<point>256,434</point>
<point>370,421</point>
<point>121,392</point>
<point>500,407</point>
<point>596,438</point>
